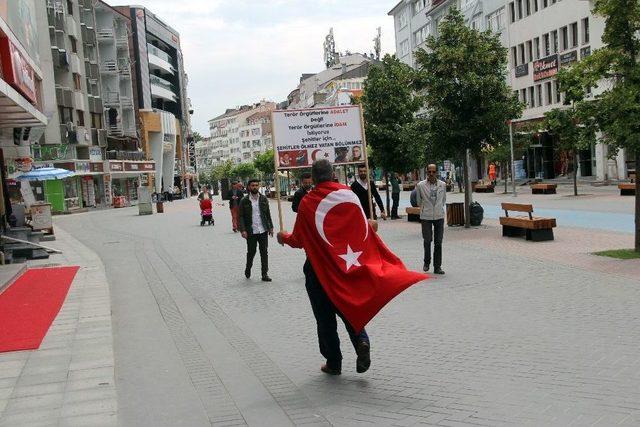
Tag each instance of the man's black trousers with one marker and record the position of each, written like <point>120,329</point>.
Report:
<point>262,241</point>
<point>325,314</point>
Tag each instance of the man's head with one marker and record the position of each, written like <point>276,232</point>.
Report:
<point>357,152</point>
<point>362,172</point>
<point>253,185</point>
<point>306,180</point>
<point>321,171</point>
<point>432,170</point>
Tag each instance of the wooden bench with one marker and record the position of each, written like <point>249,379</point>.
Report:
<point>627,189</point>
<point>535,229</point>
<point>543,188</point>
<point>484,188</point>
<point>413,214</point>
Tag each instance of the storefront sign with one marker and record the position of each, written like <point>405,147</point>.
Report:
<point>545,68</point>
<point>522,70</point>
<point>106,179</point>
<point>95,154</point>
<point>17,71</point>
<point>23,164</point>
<point>116,166</point>
<point>70,166</point>
<point>20,15</point>
<point>41,217</point>
<point>303,136</point>
<point>96,167</point>
<point>585,51</point>
<point>139,166</point>
<point>82,167</point>
<point>568,58</point>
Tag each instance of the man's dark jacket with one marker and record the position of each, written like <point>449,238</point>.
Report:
<point>235,192</point>
<point>363,195</point>
<point>245,218</point>
<point>297,198</point>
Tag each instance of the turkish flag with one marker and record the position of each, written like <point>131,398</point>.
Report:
<point>356,269</point>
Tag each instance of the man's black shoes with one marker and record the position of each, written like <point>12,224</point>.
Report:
<point>438,271</point>
<point>329,370</point>
<point>364,359</point>
<point>425,267</point>
<point>247,272</point>
<point>266,279</point>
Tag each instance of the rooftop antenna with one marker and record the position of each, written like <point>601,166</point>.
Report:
<point>377,44</point>
<point>329,49</point>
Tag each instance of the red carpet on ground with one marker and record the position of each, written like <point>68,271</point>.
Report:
<point>28,306</point>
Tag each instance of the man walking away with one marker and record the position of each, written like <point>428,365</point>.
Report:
<point>395,195</point>
<point>254,225</point>
<point>359,187</point>
<point>431,196</point>
<point>307,183</point>
<point>235,195</point>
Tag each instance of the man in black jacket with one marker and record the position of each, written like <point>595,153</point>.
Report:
<point>235,195</point>
<point>359,187</point>
<point>307,183</point>
<point>255,223</point>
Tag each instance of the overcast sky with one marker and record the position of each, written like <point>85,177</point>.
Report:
<point>240,51</point>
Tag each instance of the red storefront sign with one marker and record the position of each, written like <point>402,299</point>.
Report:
<point>115,166</point>
<point>96,167</point>
<point>545,68</point>
<point>16,70</point>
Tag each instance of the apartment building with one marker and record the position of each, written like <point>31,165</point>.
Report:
<point>75,134</point>
<point>541,36</point>
<point>255,135</point>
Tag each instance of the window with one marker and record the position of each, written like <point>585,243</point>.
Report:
<point>539,93</point>
<point>585,30</point>
<point>549,95</point>
<point>558,94</point>
<point>529,51</point>
<point>564,38</point>
<point>512,13</point>
<point>66,115</point>
<point>402,19</point>
<point>475,22</point>
<point>404,48</point>
<point>521,56</point>
<point>80,114</point>
<point>69,7</point>
<point>554,41</point>
<point>464,4</point>
<point>523,95</point>
<point>74,44</point>
<point>547,46</point>
<point>535,5</point>
<point>421,35</point>
<point>495,21</point>
<point>545,3</point>
<point>527,7</point>
<point>514,56</point>
<point>519,8</point>
<point>574,34</point>
<point>532,98</point>
<point>76,81</point>
<point>536,47</point>
<point>96,120</point>
<point>418,5</point>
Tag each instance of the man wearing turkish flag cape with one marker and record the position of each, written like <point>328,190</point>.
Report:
<point>354,268</point>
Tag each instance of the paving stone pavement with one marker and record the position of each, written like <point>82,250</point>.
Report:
<point>69,380</point>
<point>510,336</point>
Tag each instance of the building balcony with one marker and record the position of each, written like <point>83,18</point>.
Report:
<point>115,129</point>
<point>124,67</point>
<point>105,35</point>
<point>64,96</point>
<point>111,99</point>
<point>122,41</point>
<point>126,102</point>
<point>161,88</point>
<point>60,58</point>
<point>109,67</point>
<point>160,60</point>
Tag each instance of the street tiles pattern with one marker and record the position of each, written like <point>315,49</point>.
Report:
<point>500,340</point>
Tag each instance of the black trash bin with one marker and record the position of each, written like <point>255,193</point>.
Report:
<point>476,214</point>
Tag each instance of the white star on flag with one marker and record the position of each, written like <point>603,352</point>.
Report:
<point>351,258</point>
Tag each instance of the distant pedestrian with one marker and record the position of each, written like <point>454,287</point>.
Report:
<point>395,195</point>
<point>431,196</point>
<point>360,187</point>
<point>459,178</point>
<point>305,187</point>
<point>492,173</point>
<point>255,225</point>
<point>204,194</point>
<point>235,195</point>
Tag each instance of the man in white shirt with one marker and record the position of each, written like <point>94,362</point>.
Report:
<point>431,195</point>
<point>254,224</point>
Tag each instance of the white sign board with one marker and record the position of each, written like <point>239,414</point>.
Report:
<point>41,217</point>
<point>304,136</point>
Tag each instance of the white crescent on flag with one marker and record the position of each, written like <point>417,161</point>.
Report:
<point>331,201</point>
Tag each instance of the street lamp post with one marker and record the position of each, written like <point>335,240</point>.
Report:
<point>513,164</point>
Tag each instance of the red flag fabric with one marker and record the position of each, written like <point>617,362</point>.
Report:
<point>356,269</point>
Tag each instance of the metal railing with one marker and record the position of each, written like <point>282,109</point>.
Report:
<point>158,81</point>
<point>159,53</point>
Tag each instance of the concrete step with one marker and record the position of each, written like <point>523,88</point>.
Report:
<point>9,273</point>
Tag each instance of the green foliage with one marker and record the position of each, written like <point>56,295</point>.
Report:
<point>265,163</point>
<point>572,131</point>
<point>196,136</point>
<point>620,253</point>
<point>222,171</point>
<point>243,171</point>
<point>203,178</point>
<point>462,75</point>
<point>389,107</point>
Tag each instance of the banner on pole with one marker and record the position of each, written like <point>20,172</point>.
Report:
<point>304,136</point>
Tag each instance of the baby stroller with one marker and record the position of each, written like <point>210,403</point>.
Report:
<point>206,214</point>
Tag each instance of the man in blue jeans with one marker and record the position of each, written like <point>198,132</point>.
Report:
<point>431,196</point>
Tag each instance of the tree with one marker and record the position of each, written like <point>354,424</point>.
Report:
<point>500,154</point>
<point>389,107</point>
<point>244,171</point>
<point>616,68</point>
<point>462,75</point>
<point>265,163</point>
<point>221,171</point>
<point>572,132</point>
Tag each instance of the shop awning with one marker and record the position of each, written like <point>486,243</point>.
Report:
<point>16,111</point>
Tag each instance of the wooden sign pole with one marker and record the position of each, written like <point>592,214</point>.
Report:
<point>275,175</point>
<point>366,162</point>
